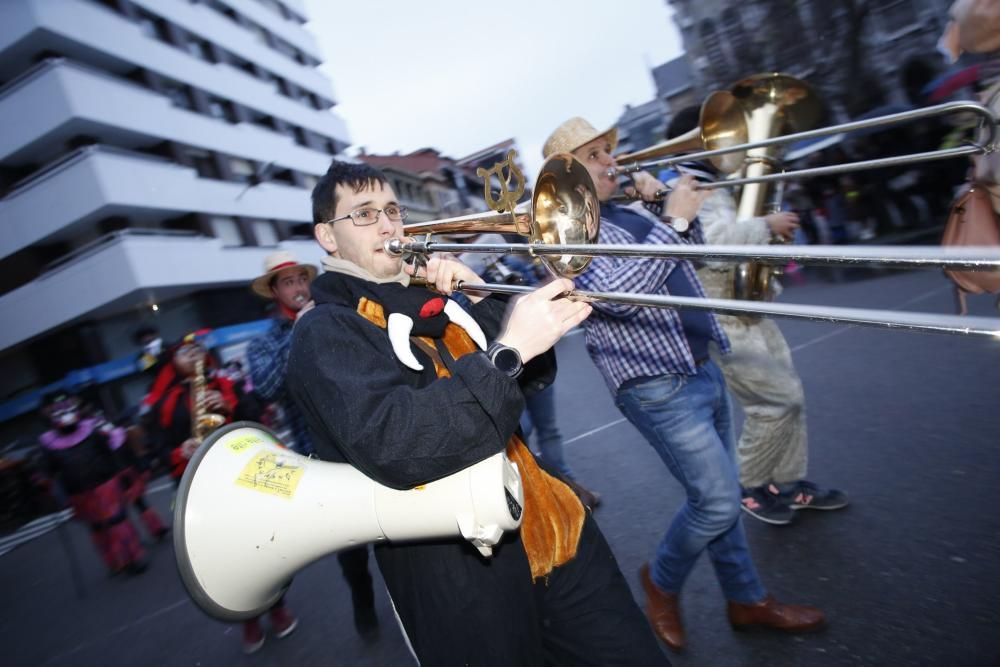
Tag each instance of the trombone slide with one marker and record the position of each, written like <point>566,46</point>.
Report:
<point>917,322</point>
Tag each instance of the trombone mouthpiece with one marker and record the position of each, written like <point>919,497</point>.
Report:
<point>393,247</point>
<point>611,173</point>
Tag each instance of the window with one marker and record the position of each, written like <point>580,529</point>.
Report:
<point>283,176</point>
<point>267,122</point>
<point>203,162</point>
<point>243,64</point>
<point>733,32</point>
<point>200,49</point>
<point>228,12</point>
<point>221,109</point>
<point>260,33</point>
<point>713,49</point>
<point>154,27</point>
<point>265,232</point>
<point>242,169</point>
<point>275,7</point>
<point>264,75</point>
<point>283,47</point>
<point>112,5</point>
<point>179,94</point>
<point>226,230</point>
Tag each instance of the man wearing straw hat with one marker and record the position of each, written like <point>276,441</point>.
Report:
<point>656,363</point>
<point>286,281</point>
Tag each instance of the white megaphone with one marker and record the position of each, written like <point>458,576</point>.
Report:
<point>250,513</point>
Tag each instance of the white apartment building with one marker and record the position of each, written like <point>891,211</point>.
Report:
<point>152,153</point>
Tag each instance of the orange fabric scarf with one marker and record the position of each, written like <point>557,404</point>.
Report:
<point>553,516</point>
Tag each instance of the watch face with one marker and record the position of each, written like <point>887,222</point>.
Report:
<point>680,224</point>
<point>506,360</point>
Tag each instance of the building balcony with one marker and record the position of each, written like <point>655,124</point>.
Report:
<point>126,270</point>
<point>92,34</point>
<point>291,31</point>
<point>59,100</point>
<point>212,26</point>
<point>62,200</point>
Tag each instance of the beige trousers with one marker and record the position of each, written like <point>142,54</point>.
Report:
<point>759,371</point>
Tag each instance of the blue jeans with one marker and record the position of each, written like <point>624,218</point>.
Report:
<point>540,415</point>
<point>688,422</point>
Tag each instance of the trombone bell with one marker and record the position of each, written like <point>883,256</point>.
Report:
<point>565,207</point>
<point>721,125</point>
<point>564,211</point>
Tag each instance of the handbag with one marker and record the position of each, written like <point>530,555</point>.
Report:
<point>972,222</point>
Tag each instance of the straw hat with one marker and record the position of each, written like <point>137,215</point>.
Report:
<point>575,133</point>
<point>978,25</point>
<point>273,264</point>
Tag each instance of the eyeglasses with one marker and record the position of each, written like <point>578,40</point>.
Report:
<point>370,215</point>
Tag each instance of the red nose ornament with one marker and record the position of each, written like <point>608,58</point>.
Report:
<point>432,308</point>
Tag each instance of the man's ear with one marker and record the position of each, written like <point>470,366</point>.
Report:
<point>325,238</point>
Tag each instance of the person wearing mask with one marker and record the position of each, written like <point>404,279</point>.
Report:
<point>84,459</point>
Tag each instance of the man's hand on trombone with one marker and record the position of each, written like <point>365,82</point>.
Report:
<point>443,273</point>
<point>536,321</point>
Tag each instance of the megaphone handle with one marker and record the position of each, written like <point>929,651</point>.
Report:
<point>481,537</point>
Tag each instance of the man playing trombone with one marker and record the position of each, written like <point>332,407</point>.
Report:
<point>392,380</point>
<point>656,363</point>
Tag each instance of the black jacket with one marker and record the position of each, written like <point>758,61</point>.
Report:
<point>398,426</point>
<point>402,428</point>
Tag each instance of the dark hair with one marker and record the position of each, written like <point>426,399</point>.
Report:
<point>684,120</point>
<point>357,175</point>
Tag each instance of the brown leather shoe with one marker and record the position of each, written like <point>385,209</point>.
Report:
<point>663,612</point>
<point>769,613</point>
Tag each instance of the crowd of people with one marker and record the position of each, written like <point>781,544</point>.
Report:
<point>101,469</point>
<point>407,410</point>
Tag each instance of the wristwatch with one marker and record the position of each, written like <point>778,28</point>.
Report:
<point>679,224</point>
<point>506,359</point>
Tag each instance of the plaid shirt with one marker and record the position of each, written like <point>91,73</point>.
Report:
<point>267,356</point>
<point>627,341</point>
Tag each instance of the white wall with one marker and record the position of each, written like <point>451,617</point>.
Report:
<point>66,93</point>
<point>128,271</point>
<point>98,29</point>
<point>102,180</point>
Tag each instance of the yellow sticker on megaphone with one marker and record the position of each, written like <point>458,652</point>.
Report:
<point>272,473</point>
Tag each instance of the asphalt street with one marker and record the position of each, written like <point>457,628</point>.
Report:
<point>909,574</point>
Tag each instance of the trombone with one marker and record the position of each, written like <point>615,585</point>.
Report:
<point>720,127</point>
<point>562,224</point>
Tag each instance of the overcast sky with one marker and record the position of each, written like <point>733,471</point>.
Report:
<point>460,75</point>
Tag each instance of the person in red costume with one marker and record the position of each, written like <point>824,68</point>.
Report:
<point>84,459</point>
<point>171,401</point>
